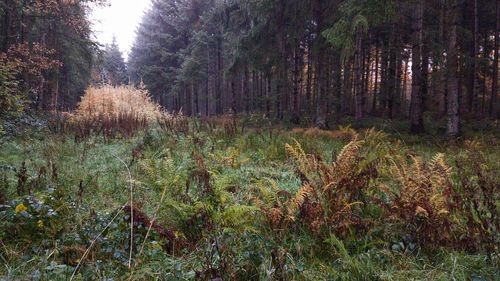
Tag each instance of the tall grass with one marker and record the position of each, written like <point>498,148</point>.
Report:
<point>115,102</point>
<point>217,200</point>
<point>114,111</point>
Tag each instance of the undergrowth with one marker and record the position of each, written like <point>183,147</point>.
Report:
<point>219,199</point>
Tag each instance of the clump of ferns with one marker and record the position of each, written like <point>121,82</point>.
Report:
<point>422,207</point>
<point>333,196</point>
<point>478,196</point>
<point>275,204</point>
<point>232,157</point>
<point>193,204</point>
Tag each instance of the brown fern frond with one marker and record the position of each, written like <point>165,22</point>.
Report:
<point>302,194</point>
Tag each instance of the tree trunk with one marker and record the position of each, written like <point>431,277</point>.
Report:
<point>321,94</point>
<point>295,117</point>
<point>404,100</point>
<point>453,127</point>
<point>366,79</point>
<point>494,87</point>
<point>246,93</point>
<point>384,74</point>
<point>218,78</point>
<point>268,95</point>
<point>392,72</point>
<point>486,52</point>
<point>397,81</point>
<point>417,121</point>
<point>337,86</point>
<point>473,71</point>
<point>376,83</point>
<point>347,87</point>
<point>196,108</point>
<point>440,68</point>
<point>358,94</point>
<point>187,101</point>
<point>6,29</point>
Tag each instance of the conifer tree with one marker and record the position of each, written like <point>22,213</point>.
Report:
<point>114,70</point>
<point>320,61</point>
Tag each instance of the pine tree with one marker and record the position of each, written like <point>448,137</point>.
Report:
<point>114,70</point>
<point>302,60</point>
<point>51,40</point>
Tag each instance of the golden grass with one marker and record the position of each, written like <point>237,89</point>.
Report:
<point>116,102</point>
<point>114,112</point>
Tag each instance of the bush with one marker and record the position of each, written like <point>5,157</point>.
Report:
<point>114,112</point>
<point>422,206</point>
<point>478,198</point>
<point>11,100</point>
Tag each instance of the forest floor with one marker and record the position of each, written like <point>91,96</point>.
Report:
<point>235,202</point>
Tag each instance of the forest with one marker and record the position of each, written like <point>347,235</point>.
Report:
<point>251,140</point>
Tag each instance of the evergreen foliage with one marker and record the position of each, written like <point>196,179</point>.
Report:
<point>50,41</point>
<point>114,70</point>
<point>320,61</point>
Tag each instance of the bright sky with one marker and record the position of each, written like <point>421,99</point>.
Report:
<point>120,19</point>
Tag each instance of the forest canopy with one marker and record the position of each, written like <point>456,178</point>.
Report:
<point>307,62</point>
<point>322,60</point>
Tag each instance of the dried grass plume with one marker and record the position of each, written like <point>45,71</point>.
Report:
<point>115,102</point>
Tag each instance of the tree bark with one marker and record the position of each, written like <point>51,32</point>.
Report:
<point>6,28</point>
<point>473,71</point>
<point>417,121</point>
<point>453,126</point>
<point>494,87</point>
<point>376,83</point>
<point>440,69</point>
<point>337,86</point>
<point>366,79</point>
<point>404,101</point>
<point>295,117</point>
<point>321,93</point>
<point>218,79</point>
<point>358,93</point>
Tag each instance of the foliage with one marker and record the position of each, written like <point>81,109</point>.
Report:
<point>114,70</point>
<point>211,199</point>
<point>29,62</point>
<point>112,102</point>
<point>50,41</point>
<point>114,111</point>
<point>11,101</point>
<point>423,207</point>
<point>478,197</point>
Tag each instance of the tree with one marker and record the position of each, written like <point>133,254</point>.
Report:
<point>494,88</point>
<point>417,122</point>
<point>114,69</point>
<point>44,32</point>
<point>453,126</point>
<point>301,60</point>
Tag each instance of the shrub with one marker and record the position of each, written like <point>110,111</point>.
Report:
<point>422,206</point>
<point>11,101</point>
<point>332,196</point>
<point>478,197</point>
<point>114,111</point>
<point>113,102</point>
<point>37,216</point>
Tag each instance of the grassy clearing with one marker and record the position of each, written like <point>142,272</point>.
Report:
<point>214,189</point>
